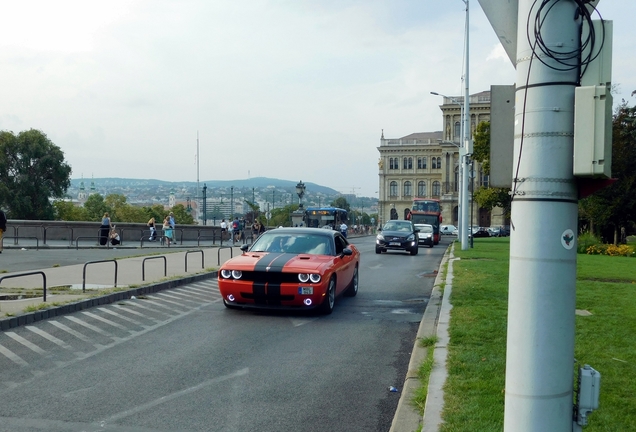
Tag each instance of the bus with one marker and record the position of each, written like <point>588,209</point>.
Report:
<point>427,211</point>
<point>321,217</point>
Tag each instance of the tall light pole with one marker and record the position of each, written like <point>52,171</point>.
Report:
<point>462,215</point>
<point>468,147</point>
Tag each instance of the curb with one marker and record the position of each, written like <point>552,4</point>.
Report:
<point>407,418</point>
<point>31,317</point>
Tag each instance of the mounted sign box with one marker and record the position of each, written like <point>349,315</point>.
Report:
<point>593,132</point>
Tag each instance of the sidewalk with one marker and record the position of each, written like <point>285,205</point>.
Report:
<point>147,271</point>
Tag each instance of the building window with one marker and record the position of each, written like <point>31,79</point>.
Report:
<point>436,188</point>
<point>407,189</point>
<point>436,163</point>
<point>483,178</point>
<point>393,188</point>
<point>421,162</point>
<point>458,131</point>
<point>394,163</point>
<point>407,163</point>
<point>456,178</point>
<point>421,189</point>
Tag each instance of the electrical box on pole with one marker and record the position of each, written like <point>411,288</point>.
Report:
<point>593,132</point>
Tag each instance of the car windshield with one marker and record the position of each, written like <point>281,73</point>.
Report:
<point>424,228</point>
<point>398,226</point>
<point>293,243</point>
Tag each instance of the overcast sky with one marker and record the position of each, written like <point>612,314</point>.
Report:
<point>292,89</point>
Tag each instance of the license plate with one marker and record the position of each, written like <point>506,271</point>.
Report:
<point>394,244</point>
<point>305,290</point>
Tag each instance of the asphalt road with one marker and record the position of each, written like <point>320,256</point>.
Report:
<point>179,361</point>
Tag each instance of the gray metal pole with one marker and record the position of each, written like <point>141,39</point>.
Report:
<point>466,142</point>
<point>542,280</point>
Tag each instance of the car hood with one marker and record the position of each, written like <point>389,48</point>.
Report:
<point>395,233</point>
<point>267,261</point>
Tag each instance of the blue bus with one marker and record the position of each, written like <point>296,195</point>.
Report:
<point>321,217</point>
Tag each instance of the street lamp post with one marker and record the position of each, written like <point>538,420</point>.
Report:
<point>300,191</point>
<point>232,202</point>
<point>205,204</point>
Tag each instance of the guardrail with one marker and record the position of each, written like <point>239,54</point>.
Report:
<point>218,253</point>
<point>29,274</point>
<point>96,262</point>
<point>46,228</point>
<point>165,266</point>
<point>15,240</point>
<point>193,251</point>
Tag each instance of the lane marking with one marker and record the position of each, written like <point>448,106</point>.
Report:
<point>49,337</point>
<point>12,356</point>
<point>30,345</point>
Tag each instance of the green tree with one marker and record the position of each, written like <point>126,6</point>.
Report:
<point>95,207</point>
<point>67,211</point>
<point>32,170</point>
<point>181,216</point>
<point>614,207</point>
<point>254,212</point>
<point>341,202</point>
<point>281,216</point>
<point>490,197</point>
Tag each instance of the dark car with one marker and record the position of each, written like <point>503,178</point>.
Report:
<point>397,235</point>
<point>292,269</point>
<point>480,232</point>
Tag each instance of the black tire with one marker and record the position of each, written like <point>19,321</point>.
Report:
<point>414,250</point>
<point>330,299</point>
<point>431,245</point>
<point>378,250</point>
<point>352,289</point>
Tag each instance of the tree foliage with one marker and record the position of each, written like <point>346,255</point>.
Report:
<point>341,202</point>
<point>32,170</point>
<point>614,207</point>
<point>489,197</point>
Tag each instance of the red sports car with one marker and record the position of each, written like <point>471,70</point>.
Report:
<point>291,268</point>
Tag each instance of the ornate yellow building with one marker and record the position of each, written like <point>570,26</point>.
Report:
<point>426,165</point>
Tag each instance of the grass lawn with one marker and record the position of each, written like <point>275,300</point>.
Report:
<point>474,391</point>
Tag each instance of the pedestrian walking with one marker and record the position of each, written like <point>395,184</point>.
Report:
<point>343,229</point>
<point>153,230</point>
<point>236,230</point>
<point>173,225</point>
<point>167,230</point>
<point>3,226</point>
<point>104,229</point>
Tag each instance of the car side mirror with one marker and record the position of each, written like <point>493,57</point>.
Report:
<point>416,230</point>
<point>380,229</point>
<point>346,252</point>
<point>244,247</point>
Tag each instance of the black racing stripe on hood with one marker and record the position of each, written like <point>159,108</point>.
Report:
<point>276,262</point>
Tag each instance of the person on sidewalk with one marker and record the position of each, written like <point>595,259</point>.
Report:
<point>167,231</point>
<point>104,229</point>
<point>153,230</point>
<point>3,226</point>
<point>343,229</point>
<point>236,230</point>
<point>173,224</point>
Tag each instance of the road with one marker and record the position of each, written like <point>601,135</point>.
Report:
<point>179,361</point>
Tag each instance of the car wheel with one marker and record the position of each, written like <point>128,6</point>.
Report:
<point>352,289</point>
<point>378,250</point>
<point>414,250</point>
<point>330,298</point>
<point>431,245</point>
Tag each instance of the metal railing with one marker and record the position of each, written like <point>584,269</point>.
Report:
<point>193,251</point>
<point>15,240</point>
<point>46,228</point>
<point>29,274</point>
<point>96,262</point>
<point>143,266</point>
<point>218,255</point>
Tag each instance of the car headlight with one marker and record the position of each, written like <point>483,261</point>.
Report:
<point>231,274</point>
<point>411,237</point>
<point>303,277</point>
<point>380,237</point>
<point>314,278</point>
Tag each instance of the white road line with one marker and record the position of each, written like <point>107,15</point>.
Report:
<point>107,321</point>
<point>90,327</point>
<point>140,304</point>
<point>134,312</point>
<point>176,297</point>
<point>74,333</point>
<point>157,303</point>
<point>12,356</point>
<point>120,316</point>
<point>30,345</point>
<point>50,337</point>
<point>163,300</point>
<point>172,396</point>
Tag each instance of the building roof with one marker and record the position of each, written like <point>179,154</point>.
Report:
<point>424,136</point>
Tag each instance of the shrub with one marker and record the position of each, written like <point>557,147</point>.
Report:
<point>586,240</point>
<point>611,250</point>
